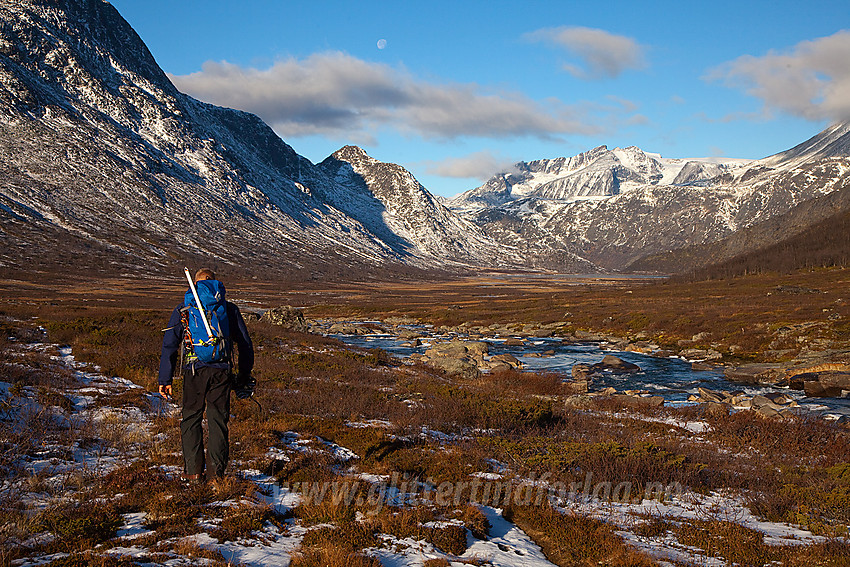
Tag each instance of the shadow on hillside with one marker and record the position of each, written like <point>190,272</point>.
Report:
<point>362,205</point>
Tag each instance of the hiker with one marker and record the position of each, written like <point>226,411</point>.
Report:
<point>207,376</point>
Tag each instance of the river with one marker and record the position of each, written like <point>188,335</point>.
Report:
<point>672,378</point>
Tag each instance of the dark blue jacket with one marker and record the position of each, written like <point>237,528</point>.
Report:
<point>174,336</point>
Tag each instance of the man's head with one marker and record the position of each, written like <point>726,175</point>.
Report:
<point>204,274</point>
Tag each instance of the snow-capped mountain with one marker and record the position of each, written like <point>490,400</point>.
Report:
<point>100,152</point>
<point>833,142</point>
<point>612,207</point>
<point>597,173</point>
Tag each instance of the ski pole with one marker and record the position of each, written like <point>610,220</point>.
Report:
<point>198,301</point>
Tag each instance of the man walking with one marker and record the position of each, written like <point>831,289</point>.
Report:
<point>207,379</point>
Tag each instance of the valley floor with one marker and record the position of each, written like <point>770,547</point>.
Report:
<point>357,458</point>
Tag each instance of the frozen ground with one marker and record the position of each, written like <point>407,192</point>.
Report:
<point>95,432</point>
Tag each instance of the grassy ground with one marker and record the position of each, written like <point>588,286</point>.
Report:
<point>420,429</point>
<point>740,311</point>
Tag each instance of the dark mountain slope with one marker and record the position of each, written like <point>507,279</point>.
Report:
<point>825,244</point>
<point>814,233</point>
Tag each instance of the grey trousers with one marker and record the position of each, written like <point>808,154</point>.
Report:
<point>209,388</point>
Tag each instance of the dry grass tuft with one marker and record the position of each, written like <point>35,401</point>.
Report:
<point>476,522</point>
<point>90,559</point>
<point>410,523</point>
<point>574,540</point>
<point>346,536</point>
<point>733,542</point>
<point>242,521</point>
<point>200,554</point>
<point>332,557</point>
<point>79,526</point>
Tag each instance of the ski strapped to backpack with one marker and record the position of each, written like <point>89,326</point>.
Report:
<point>205,320</point>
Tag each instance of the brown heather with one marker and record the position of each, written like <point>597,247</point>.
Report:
<point>571,540</point>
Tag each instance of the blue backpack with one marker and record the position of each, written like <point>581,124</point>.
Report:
<point>208,349</point>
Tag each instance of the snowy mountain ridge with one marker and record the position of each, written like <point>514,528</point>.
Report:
<point>597,173</point>
<point>97,143</point>
<point>612,207</point>
<point>390,196</point>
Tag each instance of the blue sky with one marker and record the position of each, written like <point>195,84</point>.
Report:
<point>456,91</point>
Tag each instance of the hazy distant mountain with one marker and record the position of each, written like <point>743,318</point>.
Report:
<point>597,173</point>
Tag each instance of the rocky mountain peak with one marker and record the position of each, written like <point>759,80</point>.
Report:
<point>352,154</point>
<point>832,142</point>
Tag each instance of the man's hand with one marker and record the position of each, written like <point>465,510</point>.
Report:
<point>165,391</point>
<point>244,386</point>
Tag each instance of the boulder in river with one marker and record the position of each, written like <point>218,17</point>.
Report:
<point>639,401</point>
<point>506,358</point>
<point>590,337</point>
<point>712,396</point>
<point>833,379</point>
<point>287,317</point>
<point>456,366</point>
<point>348,329</point>
<point>458,357</point>
<point>701,354</point>
<point>816,389</point>
<point>615,365</point>
<point>822,381</point>
<point>409,334</point>
<point>755,374</point>
<point>452,349</point>
<point>771,404</point>
<point>609,363</point>
<point>582,371</point>
<point>642,347</point>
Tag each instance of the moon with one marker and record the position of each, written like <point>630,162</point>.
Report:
<point>382,43</point>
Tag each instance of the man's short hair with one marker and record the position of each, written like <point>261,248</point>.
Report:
<point>204,274</point>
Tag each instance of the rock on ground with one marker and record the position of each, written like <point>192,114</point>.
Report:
<point>287,317</point>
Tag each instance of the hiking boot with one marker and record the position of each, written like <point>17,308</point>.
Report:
<point>190,479</point>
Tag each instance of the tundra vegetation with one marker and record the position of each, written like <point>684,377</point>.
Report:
<point>406,452</point>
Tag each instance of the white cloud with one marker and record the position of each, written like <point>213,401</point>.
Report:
<point>337,94</point>
<point>479,165</point>
<point>603,54</point>
<point>810,80</point>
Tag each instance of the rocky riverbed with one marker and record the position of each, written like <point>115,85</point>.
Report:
<point>634,369</point>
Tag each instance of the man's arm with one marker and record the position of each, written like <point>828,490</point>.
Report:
<point>243,344</point>
<point>170,347</point>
